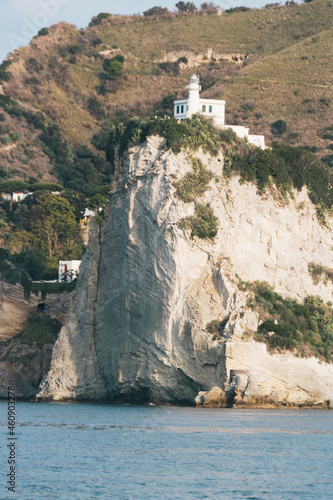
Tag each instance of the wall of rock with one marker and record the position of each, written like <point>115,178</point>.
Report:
<point>137,328</point>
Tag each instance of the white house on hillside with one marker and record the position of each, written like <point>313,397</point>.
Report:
<point>18,196</point>
<point>212,108</point>
<point>68,270</point>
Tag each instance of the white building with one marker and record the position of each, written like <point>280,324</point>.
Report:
<point>211,108</point>
<point>68,270</point>
<point>18,196</point>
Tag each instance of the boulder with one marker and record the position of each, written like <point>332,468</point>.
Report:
<point>215,398</point>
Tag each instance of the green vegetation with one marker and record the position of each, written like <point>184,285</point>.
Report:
<point>43,32</point>
<point>216,328</point>
<point>190,134</point>
<point>282,76</point>
<point>41,330</point>
<point>4,74</point>
<point>45,232</point>
<point>113,67</point>
<point>13,274</point>
<point>286,167</point>
<point>45,186</point>
<point>306,329</point>
<point>99,18</point>
<point>47,288</point>
<point>186,6</point>
<point>319,272</point>
<point>204,224</point>
<point>156,11</point>
<point>195,183</point>
<point>279,127</point>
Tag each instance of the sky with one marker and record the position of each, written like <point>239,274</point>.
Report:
<point>22,19</point>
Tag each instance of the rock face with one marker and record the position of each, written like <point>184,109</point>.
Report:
<point>15,308</point>
<point>74,370</point>
<point>278,379</point>
<point>24,367</point>
<point>137,326</point>
<point>21,365</point>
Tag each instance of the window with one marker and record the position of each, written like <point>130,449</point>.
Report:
<point>186,108</point>
<point>211,109</point>
<point>204,109</point>
<point>182,108</point>
<point>177,110</point>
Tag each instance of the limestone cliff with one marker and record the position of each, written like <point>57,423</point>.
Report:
<point>24,364</point>
<point>137,326</point>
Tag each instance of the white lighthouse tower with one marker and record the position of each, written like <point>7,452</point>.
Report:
<point>212,108</point>
<point>193,100</point>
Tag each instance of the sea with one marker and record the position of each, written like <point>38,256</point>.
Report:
<point>74,451</point>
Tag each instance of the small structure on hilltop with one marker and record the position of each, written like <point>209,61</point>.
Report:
<point>211,108</point>
<point>16,196</point>
<point>68,270</point>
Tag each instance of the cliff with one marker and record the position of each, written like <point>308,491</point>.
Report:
<point>25,359</point>
<point>137,326</point>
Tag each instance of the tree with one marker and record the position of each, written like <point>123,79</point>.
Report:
<point>114,67</point>
<point>45,186</point>
<point>209,7</point>
<point>279,127</point>
<point>52,221</point>
<point>11,187</point>
<point>156,11</point>
<point>186,6</point>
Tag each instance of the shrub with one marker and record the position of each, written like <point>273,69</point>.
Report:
<point>279,127</point>
<point>194,183</point>
<point>98,19</point>
<point>96,108</point>
<point>237,9</point>
<point>56,146</point>
<point>156,11</point>
<point>45,186</point>
<point>166,103</point>
<point>209,7</point>
<point>15,136</point>
<point>249,105</point>
<point>203,224</point>
<point>96,41</point>
<point>4,75</point>
<point>36,119</point>
<point>216,327</point>
<point>33,65</point>
<point>171,68</point>
<point>33,81</point>
<point>42,331</point>
<point>328,160</point>
<point>186,6</point>
<point>43,32</point>
<point>287,324</point>
<point>114,67</point>
<point>318,271</point>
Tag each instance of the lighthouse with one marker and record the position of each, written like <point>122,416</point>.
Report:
<point>193,100</point>
<point>211,108</point>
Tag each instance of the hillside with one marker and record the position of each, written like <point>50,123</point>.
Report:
<point>68,99</point>
<point>268,64</point>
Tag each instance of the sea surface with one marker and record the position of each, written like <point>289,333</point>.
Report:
<point>82,451</point>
